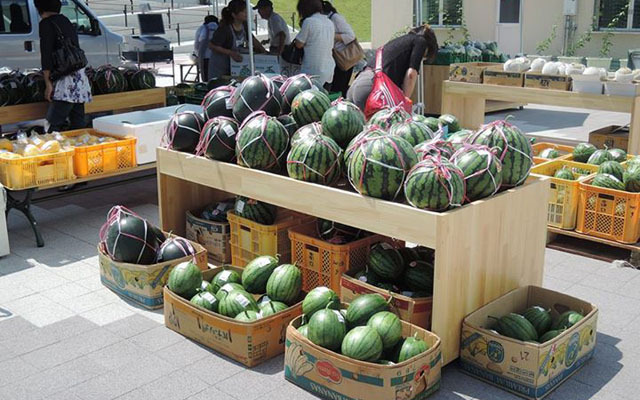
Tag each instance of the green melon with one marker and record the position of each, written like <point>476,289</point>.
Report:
<point>418,276</point>
<point>412,131</point>
<point>256,211</point>
<point>257,272</point>
<point>342,122</point>
<point>583,151</point>
<point>269,308</point>
<point>368,276</point>
<point>228,288</point>
<point>327,329</point>
<point>185,279</point>
<point>539,318</point>
<point>564,173</point>
<point>387,117</point>
<point>607,181</point>
<point>411,347</point>
<point>224,277</point>
<point>318,299</point>
<point>599,156</point>
<point>451,122</point>
<point>550,335</point>
<point>304,330</point>
<point>256,94</point>
<point>364,307</point>
<point>385,261</point>
<point>612,168</point>
<point>362,343</point>
<point>309,106</point>
<point>307,132</point>
<point>618,155</point>
<point>482,171</point>
<point>517,327</point>
<point>631,178</point>
<point>285,284</point>
<point>317,159</point>
<point>261,143</point>
<point>236,302</point>
<point>566,320</point>
<point>206,300</point>
<point>435,184</point>
<point>247,316</point>
<point>388,326</point>
<point>207,287</point>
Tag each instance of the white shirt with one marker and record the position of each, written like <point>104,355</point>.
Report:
<point>277,24</point>
<point>317,33</point>
<point>343,29</point>
<point>196,42</point>
<point>206,33</point>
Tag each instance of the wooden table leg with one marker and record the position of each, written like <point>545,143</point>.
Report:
<point>634,128</point>
<point>469,110</point>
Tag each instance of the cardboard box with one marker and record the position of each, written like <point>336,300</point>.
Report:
<point>545,81</point>
<point>527,369</point>
<point>330,375</point>
<point>587,84</point>
<point>614,88</point>
<point>214,236</point>
<point>613,136</point>
<point>248,343</point>
<point>471,72</point>
<point>264,63</point>
<point>142,284</point>
<point>497,76</point>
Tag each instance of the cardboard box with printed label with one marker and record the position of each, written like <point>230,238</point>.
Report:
<point>471,72</point>
<point>497,76</point>
<point>264,63</point>
<point>545,81</point>
<point>611,137</point>
<point>528,369</point>
<point>214,236</point>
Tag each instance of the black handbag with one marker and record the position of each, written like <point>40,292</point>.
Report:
<point>292,54</point>
<point>67,57</point>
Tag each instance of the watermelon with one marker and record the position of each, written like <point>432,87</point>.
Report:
<point>5,94</point>
<point>247,316</point>
<point>408,254</point>
<point>411,347</point>
<point>564,173</point>
<point>269,308</point>
<point>257,272</point>
<point>388,286</point>
<point>317,159</point>
<point>368,131</point>
<point>289,124</point>
<point>342,122</point>
<point>34,87</point>
<point>618,155</point>
<point>368,276</point>
<point>566,320</point>
<point>318,299</point>
<point>513,150</point>
<point>304,330</point>
<point>583,151</point>
<point>539,318</point>
<point>364,307</point>
<point>631,178</point>
<point>412,131</point>
<point>612,168</point>
<point>228,288</point>
<point>550,335</point>
<point>235,302</point>
<point>607,181</point>
<point>207,287</point>
<point>549,153</point>
<point>142,79</point>
<point>634,160</point>
<point>482,171</point>
<point>261,142</point>
<point>309,106</point>
<point>418,276</point>
<point>305,133</point>
<point>387,117</point>
<point>433,123</point>
<point>435,184</point>
<point>436,147</point>
<point>224,277</point>
<point>109,79</point>
<point>174,248</point>
<point>385,261</point>
<point>517,327</point>
<point>218,139</point>
<point>256,211</point>
<point>451,122</point>
<point>217,103</point>
<point>425,253</point>
<point>388,326</point>
<point>182,132</point>
<point>379,166</point>
<point>257,93</point>
<point>185,279</point>
<point>459,138</point>
<point>327,329</point>
<point>205,300</point>
<point>362,343</point>
<point>285,284</point>
<point>294,86</point>
<point>336,233</point>
<point>599,156</point>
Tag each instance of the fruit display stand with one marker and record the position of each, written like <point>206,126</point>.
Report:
<point>482,250</point>
<point>468,101</point>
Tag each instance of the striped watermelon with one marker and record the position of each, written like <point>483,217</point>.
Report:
<point>309,106</point>
<point>228,288</point>
<point>362,343</point>
<point>411,347</point>
<point>539,318</point>
<point>257,93</point>
<point>564,173</point>
<point>612,168</point>
<point>317,159</point>
<point>342,122</point>
<point>482,171</point>
<point>368,276</point>
<point>248,316</point>
<point>436,147</point>
<point>607,181</point>
<point>583,151</point>
<point>385,261</point>
<point>224,277</point>
<point>236,302</point>
<point>514,150</point>
<point>550,335</point>
<point>517,327</point>
<point>304,330</point>
<point>306,132</point>
<point>318,299</point>
<point>418,276</point>
<point>387,117</point>
<point>451,122</point>
<point>261,142</point>
<point>567,319</point>
<point>257,272</point>
<point>109,79</point>
<point>618,155</point>
<point>268,308</point>
<point>363,307</point>
<point>359,139</point>
<point>217,103</point>
<point>142,79</point>
<point>631,178</point>
<point>205,300</point>
<point>599,156</point>
<point>433,123</point>
<point>327,329</point>
<point>294,86</point>
<point>218,139</point>
<point>185,279</point>
<point>256,211</point>
<point>285,284</point>
<point>412,131</point>
<point>289,123</point>
<point>388,326</point>
<point>379,166</point>
<point>549,154</point>
<point>459,138</point>
<point>435,184</point>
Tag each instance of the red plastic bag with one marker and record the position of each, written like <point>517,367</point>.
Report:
<point>385,93</point>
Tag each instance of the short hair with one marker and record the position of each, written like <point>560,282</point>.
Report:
<point>210,18</point>
<point>328,8</point>
<point>307,8</point>
<point>47,6</point>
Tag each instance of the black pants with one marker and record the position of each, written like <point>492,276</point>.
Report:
<point>204,70</point>
<point>58,113</point>
<point>341,80</point>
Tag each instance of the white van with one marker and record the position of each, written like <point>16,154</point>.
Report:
<point>20,42</point>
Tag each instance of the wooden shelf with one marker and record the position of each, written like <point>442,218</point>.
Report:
<point>483,250</point>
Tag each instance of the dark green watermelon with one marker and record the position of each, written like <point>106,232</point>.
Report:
<point>482,171</point>
<point>342,122</point>
<point>364,307</point>
<point>317,159</point>
<point>257,93</point>
<point>256,211</point>
<point>183,131</point>
<point>435,185</point>
<point>309,106</point>
<point>387,117</point>
<point>218,139</point>
<point>261,143</point>
<point>583,151</point>
<point>412,131</point>
<point>294,86</point>
<point>385,261</point>
<point>217,103</point>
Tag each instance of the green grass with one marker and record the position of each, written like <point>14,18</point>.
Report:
<point>357,13</point>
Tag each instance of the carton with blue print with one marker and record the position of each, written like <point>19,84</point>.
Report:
<point>527,368</point>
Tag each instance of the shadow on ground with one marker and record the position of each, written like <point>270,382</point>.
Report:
<point>536,120</point>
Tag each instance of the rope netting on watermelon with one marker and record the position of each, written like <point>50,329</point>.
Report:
<point>174,125</point>
<point>211,132</point>
<point>265,119</point>
<point>183,244</point>
<point>206,101</point>
<point>268,85</point>
<point>444,171</point>
<point>113,217</point>
<point>388,115</point>
<point>290,81</point>
<point>437,145</point>
<point>490,155</point>
<point>332,171</point>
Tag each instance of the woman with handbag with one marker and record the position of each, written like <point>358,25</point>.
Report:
<point>400,60</point>
<point>346,49</point>
<point>67,87</point>
<point>316,37</point>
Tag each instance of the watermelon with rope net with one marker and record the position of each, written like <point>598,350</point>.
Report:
<point>336,233</point>
<point>15,93</point>
<point>434,147</point>
<point>262,142</point>
<point>307,132</point>
<point>182,132</point>
<point>257,93</point>
<point>387,117</point>
<point>5,95</point>
<point>414,132</point>
<point>34,86</point>
<point>309,106</point>
<point>294,86</point>
<point>217,102</point>
<point>174,248</point>
<point>218,139</point>
<point>482,171</point>
<point>367,131</point>
<point>141,80</point>
<point>279,80</point>
<point>435,184</point>
<point>379,166</point>
<point>109,79</point>
<point>289,123</point>
<point>513,150</point>
<point>316,159</point>
<point>342,122</point>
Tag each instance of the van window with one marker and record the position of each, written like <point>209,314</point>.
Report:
<point>14,17</point>
<point>78,17</point>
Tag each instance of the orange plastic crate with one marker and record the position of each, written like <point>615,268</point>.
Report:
<point>250,239</point>
<point>564,151</point>
<point>104,157</point>
<point>323,263</point>
<point>608,213</point>
<point>34,171</point>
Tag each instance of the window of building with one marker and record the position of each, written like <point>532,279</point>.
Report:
<point>618,14</point>
<point>442,12</point>
<point>14,17</point>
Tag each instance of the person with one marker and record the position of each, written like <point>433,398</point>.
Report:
<point>278,28</point>
<point>67,94</point>
<point>401,60</point>
<point>316,36</point>
<point>18,24</point>
<point>204,33</point>
<point>344,35</point>
<point>229,38</point>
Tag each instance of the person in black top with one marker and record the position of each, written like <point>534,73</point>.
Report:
<point>67,94</point>
<point>18,24</point>
<point>401,60</point>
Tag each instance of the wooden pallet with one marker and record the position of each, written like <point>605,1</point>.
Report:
<point>592,247</point>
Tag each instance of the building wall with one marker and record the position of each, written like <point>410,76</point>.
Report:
<point>389,17</point>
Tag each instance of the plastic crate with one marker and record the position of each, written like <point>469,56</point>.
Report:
<point>34,171</point>
<point>323,263</point>
<point>250,239</point>
<point>608,213</point>
<point>103,157</point>
<point>564,194</point>
<point>564,151</point>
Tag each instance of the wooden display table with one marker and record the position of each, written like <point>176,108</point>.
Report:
<point>482,250</point>
<point>467,100</point>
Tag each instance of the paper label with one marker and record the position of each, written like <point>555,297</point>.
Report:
<point>224,275</point>
<point>340,317</point>
<point>228,103</point>
<point>243,301</point>
<point>239,206</point>
<point>228,130</point>
<point>209,297</point>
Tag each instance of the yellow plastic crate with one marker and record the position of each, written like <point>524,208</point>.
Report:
<point>250,239</point>
<point>565,151</point>
<point>564,194</point>
<point>103,157</point>
<point>34,171</point>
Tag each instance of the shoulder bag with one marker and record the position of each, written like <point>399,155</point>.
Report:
<point>385,93</point>
<point>67,57</point>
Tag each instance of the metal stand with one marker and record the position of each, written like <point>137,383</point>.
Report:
<point>24,206</point>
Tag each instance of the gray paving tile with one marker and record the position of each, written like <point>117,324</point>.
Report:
<point>118,355</point>
<point>289,391</point>
<point>255,382</point>
<point>177,385</point>
<point>213,393</point>
<point>184,352</point>
<point>64,395</point>
<point>107,314</point>
<point>631,289</point>
<point>156,338</point>
<point>14,327</point>
<point>131,326</point>
<point>14,369</point>
<point>556,284</point>
<point>571,389</point>
<point>214,369</point>
<point>573,270</point>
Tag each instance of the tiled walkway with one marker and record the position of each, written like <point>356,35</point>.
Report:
<point>64,336</point>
